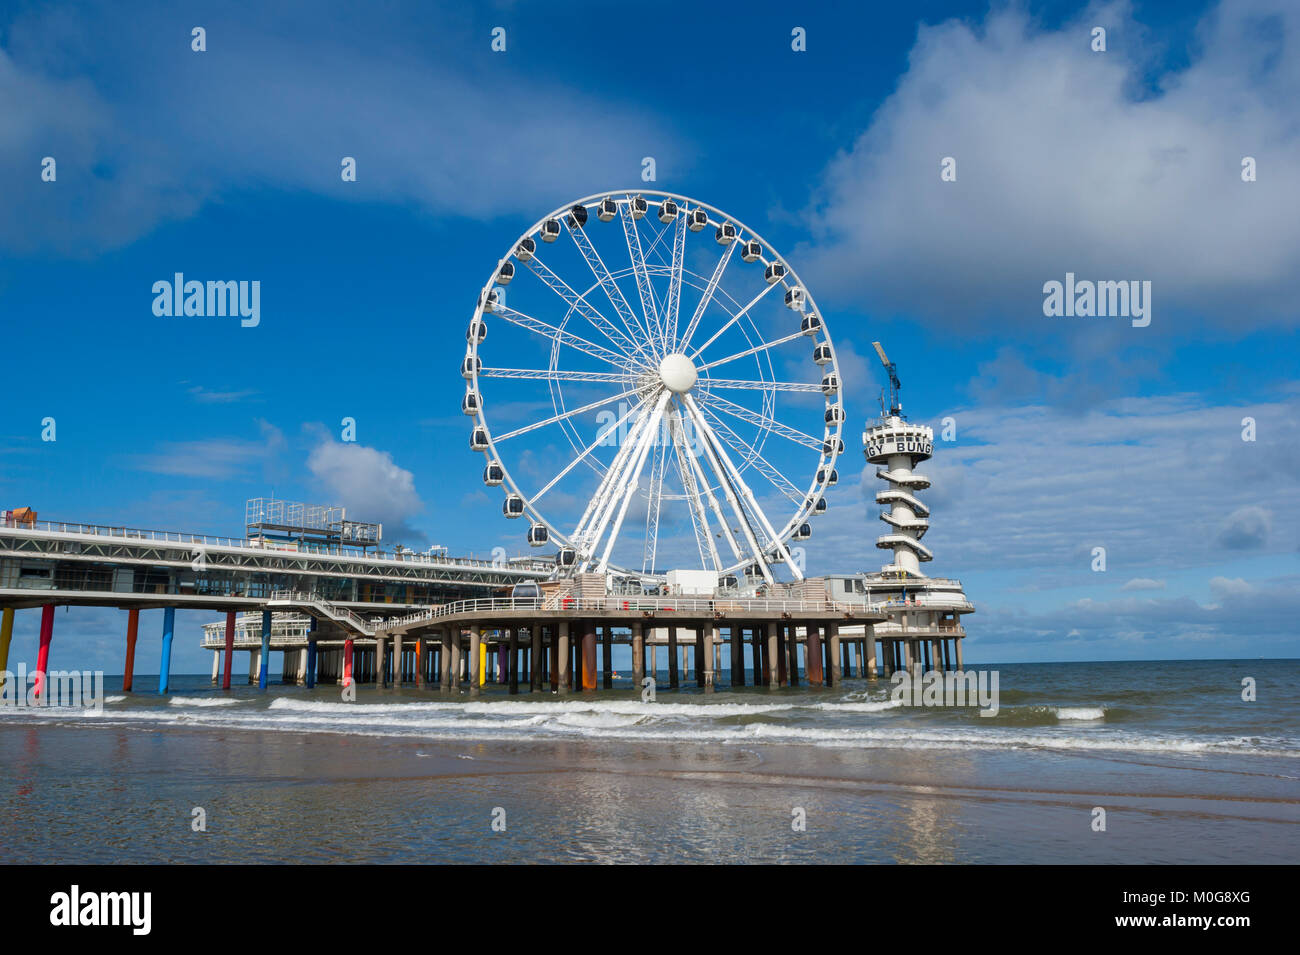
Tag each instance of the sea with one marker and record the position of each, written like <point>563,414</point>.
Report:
<point>1106,763</point>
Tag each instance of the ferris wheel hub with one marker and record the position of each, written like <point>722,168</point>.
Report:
<point>678,373</point>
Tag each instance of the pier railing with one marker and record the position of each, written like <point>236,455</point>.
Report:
<point>702,606</point>
<point>256,544</point>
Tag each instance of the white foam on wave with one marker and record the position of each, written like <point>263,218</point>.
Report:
<point>202,701</point>
<point>1080,712</point>
<point>115,699</point>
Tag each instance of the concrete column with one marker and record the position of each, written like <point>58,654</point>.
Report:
<point>132,630</point>
<point>773,657</point>
<point>737,656</point>
<point>381,660</point>
<point>782,677</point>
<point>554,665</point>
<point>589,656</point>
<point>956,645</point>
<point>638,653</point>
<point>672,657</point>
<point>444,660</point>
<point>813,655</point>
<point>710,657</point>
<point>535,664</point>
<point>607,658</point>
<point>563,655</point>
<point>654,661</point>
<point>475,660</point>
<point>792,643</point>
<point>701,656</point>
<point>833,642</point>
<point>871,656</point>
<point>936,656</point>
<point>907,657</point>
<point>254,664</point>
<point>397,659</point>
<point>513,660</point>
<point>760,656</point>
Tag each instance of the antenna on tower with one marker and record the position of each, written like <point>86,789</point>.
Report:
<point>895,406</point>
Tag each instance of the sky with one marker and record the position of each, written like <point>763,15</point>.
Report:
<point>1065,433</point>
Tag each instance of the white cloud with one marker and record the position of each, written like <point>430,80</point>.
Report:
<point>1144,583</point>
<point>370,485</point>
<point>1062,167</point>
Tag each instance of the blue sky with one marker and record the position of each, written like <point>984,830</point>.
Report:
<point>1072,433</point>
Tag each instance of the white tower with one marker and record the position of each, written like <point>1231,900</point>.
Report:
<point>899,447</point>
<point>924,626</point>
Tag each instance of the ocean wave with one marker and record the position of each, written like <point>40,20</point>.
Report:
<point>1080,712</point>
<point>202,701</point>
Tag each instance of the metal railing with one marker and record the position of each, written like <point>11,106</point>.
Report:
<point>299,598</point>
<point>688,605</point>
<point>245,543</point>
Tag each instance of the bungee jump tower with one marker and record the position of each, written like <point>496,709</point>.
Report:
<point>924,626</point>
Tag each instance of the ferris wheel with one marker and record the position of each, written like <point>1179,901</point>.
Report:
<point>652,385</point>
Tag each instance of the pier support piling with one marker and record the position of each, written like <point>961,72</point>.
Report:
<point>264,659</point>
<point>737,656</point>
<point>589,655</point>
<point>833,651</point>
<point>773,657</point>
<point>229,650</point>
<point>43,651</point>
<point>813,655</point>
<point>6,635</point>
<point>347,662</point>
<point>563,658</point>
<point>312,654</point>
<point>638,653</point>
<point>132,631</point>
<point>478,660</point>
<point>672,657</point>
<point>710,657</point>
<point>165,665</point>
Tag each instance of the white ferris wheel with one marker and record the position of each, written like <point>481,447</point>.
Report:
<point>653,387</point>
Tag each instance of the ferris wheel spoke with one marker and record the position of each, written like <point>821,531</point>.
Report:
<point>653,506</point>
<point>633,237</point>
<point>728,481</point>
<point>586,452</point>
<point>686,469</point>
<point>584,308</point>
<point>559,335</point>
<point>637,334</point>
<point>613,488</point>
<point>652,434</point>
<point>734,318</point>
<point>596,505</point>
<point>563,415</point>
<point>712,439</point>
<point>767,422</point>
<point>703,481</point>
<point>709,384</point>
<point>761,464</point>
<point>552,374</point>
<point>708,294</point>
<point>750,351</point>
<point>675,280</point>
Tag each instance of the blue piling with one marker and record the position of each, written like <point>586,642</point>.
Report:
<point>266,650</point>
<point>165,667</point>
